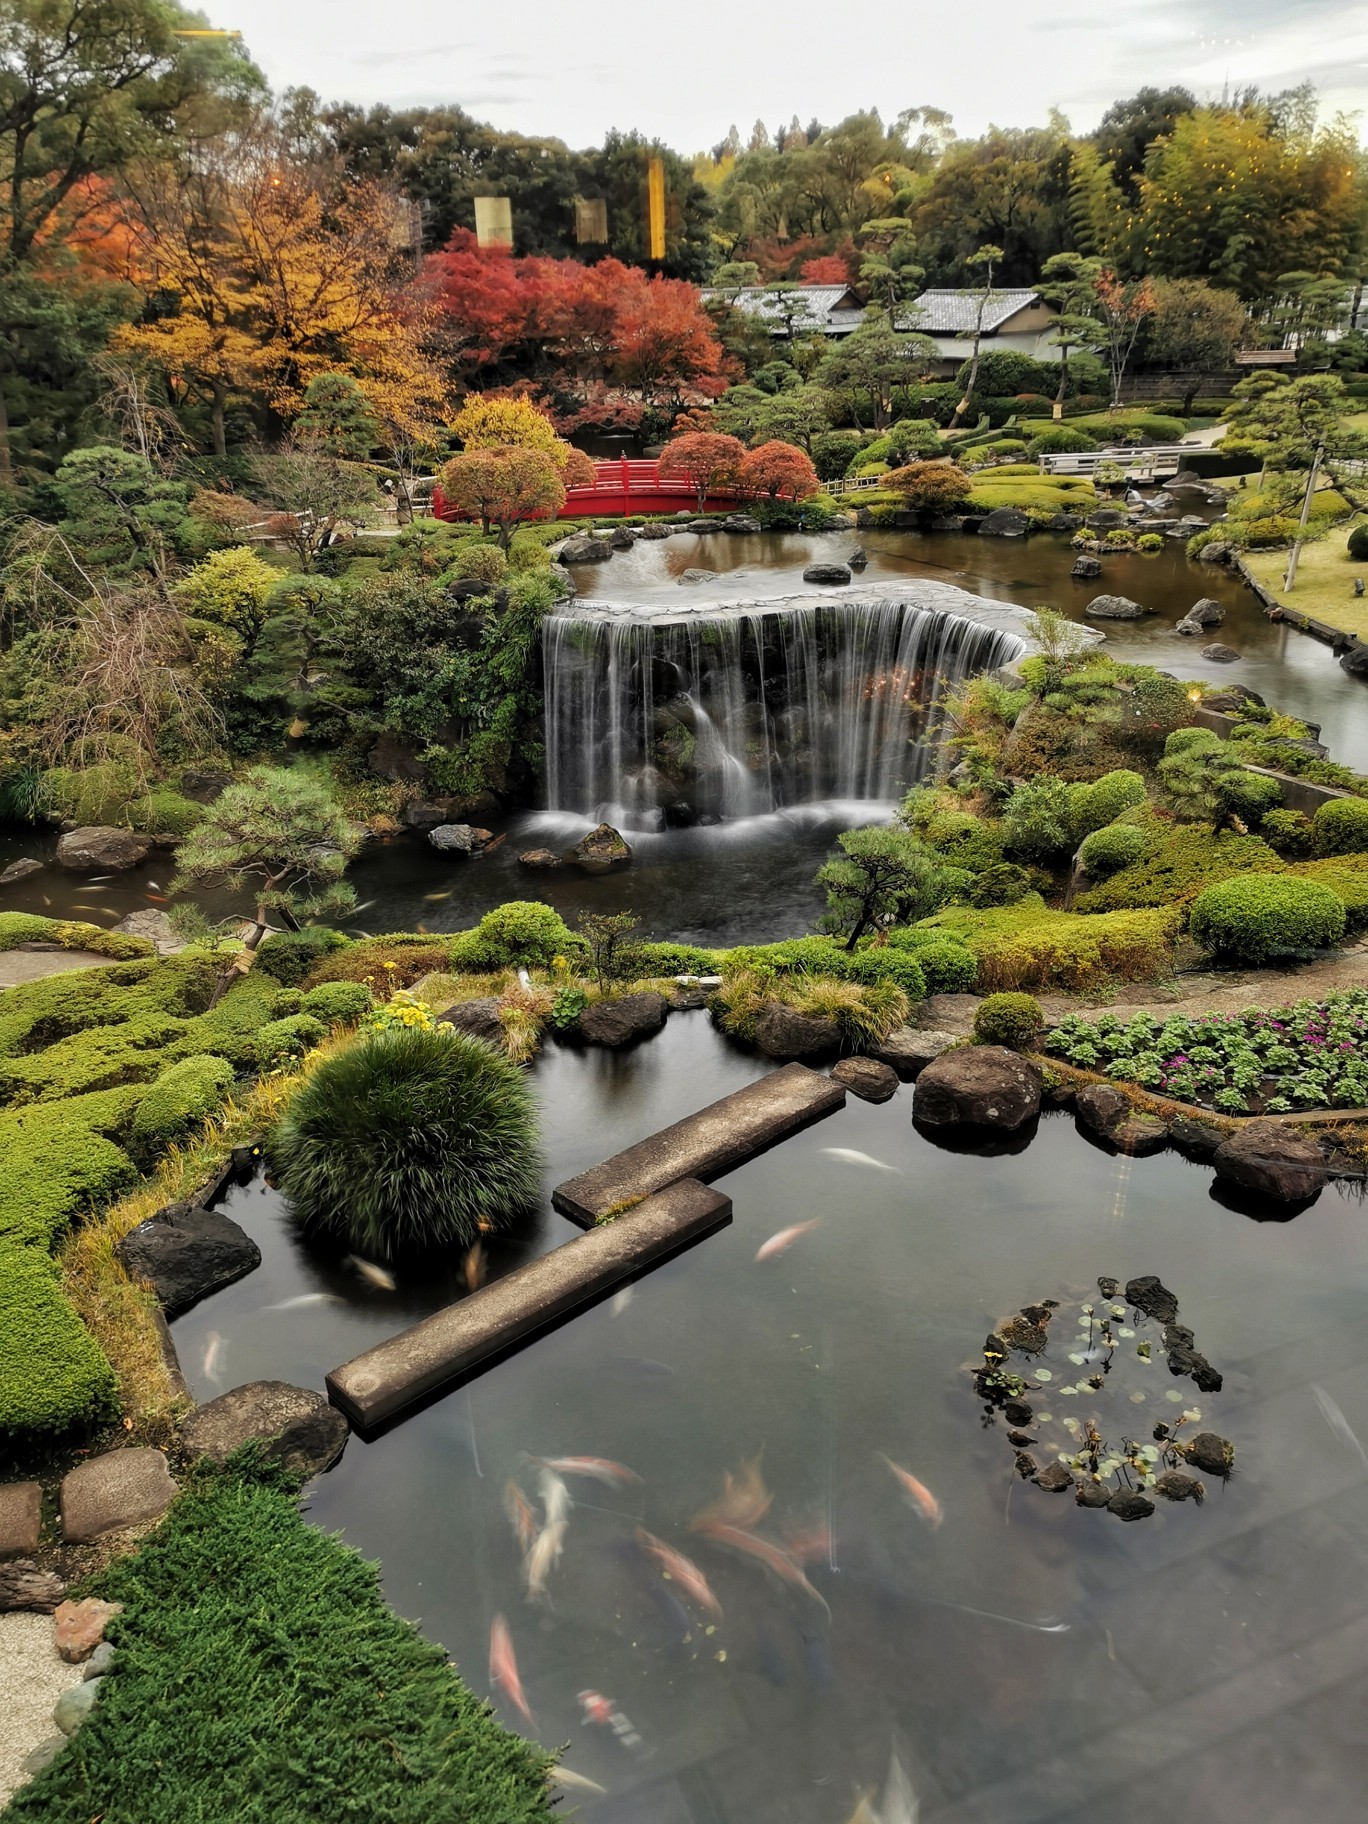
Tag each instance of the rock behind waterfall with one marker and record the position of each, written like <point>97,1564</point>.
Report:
<point>978,1086</point>
<point>601,849</point>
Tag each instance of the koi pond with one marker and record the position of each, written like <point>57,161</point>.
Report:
<point>1009,1654</point>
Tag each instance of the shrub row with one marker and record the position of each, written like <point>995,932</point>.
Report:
<point>1029,946</point>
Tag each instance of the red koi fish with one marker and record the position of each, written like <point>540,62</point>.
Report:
<point>503,1667</point>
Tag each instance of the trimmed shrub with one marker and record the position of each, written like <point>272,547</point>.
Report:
<point>1060,439</point>
<point>408,1140</point>
<point>54,1377</point>
<point>1013,1020</point>
<point>386,962</point>
<point>1245,919</point>
<point>1289,832</point>
<point>948,967</point>
<point>477,563</point>
<point>1340,827</point>
<point>885,964</point>
<point>525,931</point>
<point>1115,846</point>
<point>1183,862</point>
<point>676,959</point>
<point>290,955</point>
<point>337,1003</point>
<point>1103,801</point>
<point>282,1041</point>
<point>1030,946</point>
<point>178,1101</point>
<point>861,1010</point>
<point>833,452</point>
<point>1358,543</point>
<point>1347,878</point>
<point>1004,884</point>
<point>163,812</point>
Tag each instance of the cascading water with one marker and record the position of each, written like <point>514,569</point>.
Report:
<point>736,711</point>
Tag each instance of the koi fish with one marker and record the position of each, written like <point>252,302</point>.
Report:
<point>473,1268</point>
<point>815,1543</point>
<point>555,1497</point>
<point>682,1571</point>
<point>304,1299</point>
<point>599,1468</point>
<point>780,1243</point>
<point>621,1300</point>
<point>432,898</point>
<point>96,877</point>
<point>575,1782</point>
<point>918,1494</point>
<point>1335,1419</point>
<point>543,1558</point>
<point>519,1511</point>
<point>772,1556</point>
<point>373,1275</point>
<point>848,1157</point>
<point>150,883</point>
<point>159,897</point>
<point>600,1709</point>
<point>744,1500</point>
<point>503,1666</point>
<point>213,1357</point>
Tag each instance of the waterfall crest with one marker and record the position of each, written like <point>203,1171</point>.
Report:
<point>734,711</point>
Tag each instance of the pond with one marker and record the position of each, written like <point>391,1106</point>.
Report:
<point>1026,1659</point>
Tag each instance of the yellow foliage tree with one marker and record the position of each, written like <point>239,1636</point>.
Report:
<point>490,421</point>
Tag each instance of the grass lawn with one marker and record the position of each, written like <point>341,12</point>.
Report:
<point>1325,582</point>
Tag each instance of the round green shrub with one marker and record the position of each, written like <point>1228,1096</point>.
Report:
<point>338,1003</point>
<point>290,955</point>
<point>525,931</point>
<point>1150,542</point>
<point>288,1001</point>
<point>180,1099</point>
<point>948,968</point>
<point>1340,827</point>
<point>1358,543</point>
<point>1191,741</point>
<point>164,812</point>
<point>889,965</point>
<point>1060,440</point>
<point>281,1041</point>
<point>1106,798</point>
<point>408,1140</point>
<point>1013,1020</point>
<point>1108,850</point>
<point>1290,833</point>
<point>1244,919</point>
<point>477,563</point>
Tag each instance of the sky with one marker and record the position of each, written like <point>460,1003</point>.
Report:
<point>573,69</point>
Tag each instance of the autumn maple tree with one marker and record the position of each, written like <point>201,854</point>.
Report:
<point>931,487</point>
<point>502,487</point>
<point>778,468</point>
<point>705,459</point>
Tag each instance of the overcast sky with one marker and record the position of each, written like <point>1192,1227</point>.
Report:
<point>575,68</point>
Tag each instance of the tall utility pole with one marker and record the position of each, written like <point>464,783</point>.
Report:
<point>1295,552</point>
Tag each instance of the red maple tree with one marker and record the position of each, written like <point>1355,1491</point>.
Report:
<point>706,458</point>
<point>778,468</point>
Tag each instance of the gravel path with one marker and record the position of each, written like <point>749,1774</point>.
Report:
<point>18,966</point>
<point>1228,991</point>
<point>32,1678</point>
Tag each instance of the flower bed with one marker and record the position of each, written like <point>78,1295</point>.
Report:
<point>1311,1054</point>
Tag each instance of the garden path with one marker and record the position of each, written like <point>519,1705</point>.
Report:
<point>1229,991</point>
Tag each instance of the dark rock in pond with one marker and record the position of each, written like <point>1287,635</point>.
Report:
<point>1101,1109</point>
<point>1173,1485</point>
<point>1113,608</point>
<point>1086,567</point>
<point>24,1586</point>
<point>621,538</point>
<point>1108,519</point>
<point>1141,1135</point>
<point>1093,1494</point>
<point>1064,522</point>
<point>431,813</point>
<point>1273,1160</point>
<point>1005,522</point>
<point>1130,1505</point>
<point>695,575</point>
<point>459,838</point>
<point>740,522</point>
<point>1211,1453</point>
<point>618,1022</point>
<point>1354,659</point>
<point>783,1032</point>
<point>827,573</point>
<point>297,1427</point>
<point>1108,1286</point>
<point>1026,1465</point>
<point>1219,654</point>
<point>1150,1295</point>
<point>98,849</point>
<point>20,870</point>
<point>479,1019</point>
<point>1195,1139</point>
<point>908,1050</point>
<point>583,549</point>
<point>1029,1338</point>
<point>1205,613</point>
<point>1018,1412</point>
<point>978,1086</point>
<point>655,531</point>
<point>1037,1314</point>
<point>867,1078</point>
<point>995,1348</point>
<point>186,1253</point>
<point>1019,1439</point>
<point>858,558</point>
<point>1055,1479</point>
<point>1185,1358</point>
<point>702,526</point>
<point>600,850</point>
<point>1216,552</point>
<point>540,858</point>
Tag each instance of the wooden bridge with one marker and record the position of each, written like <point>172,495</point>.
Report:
<point>1158,462</point>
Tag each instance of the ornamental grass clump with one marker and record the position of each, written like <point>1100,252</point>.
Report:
<point>408,1140</point>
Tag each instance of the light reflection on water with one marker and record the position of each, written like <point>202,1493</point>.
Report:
<point>1024,1628</point>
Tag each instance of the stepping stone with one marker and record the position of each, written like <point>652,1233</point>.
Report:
<point>21,1517</point>
<point>909,1050</point>
<point>79,1627</point>
<point>122,1488</point>
<point>867,1078</point>
<point>298,1427</point>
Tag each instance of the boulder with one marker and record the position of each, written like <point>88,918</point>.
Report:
<point>1222,655</point>
<point>1141,1135</point>
<point>78,1627</point>
<point>431,813</point>
<point>24,1586</point>
<point>1113,608</point>
<point>621,538</point>
<point>782,1032</point>
<point>186,1252</point>
<point>654,531</point>
<point>583,549</point>
<point>298,1427</point>
<point>1130,1505</point>
<point>1055,1479</point>
<point>42,1757</point>
<point>1005,522</point>
<point>1354,659</point>
<point>1086,567</point>
<point>703,525</point>
<point>203,785</point>
<point>21,1518</point>
<point>948,1013</point>
<point>75,1705</point>
<point>20,870</point>
<point>1273,1160</point>
<point>540,858</point>
<point>601,849</point>
<point>155,926</point>
<point>858,558</point>
<point>1108,519</point>
<point>1101,1109</point>
<point>1195,1139</point>
<point>695,575</point>
<point>97,849</point>
<point>620,1021</point>
<point>908,1050</point>
<point>1063,522</point>
<point>978,1086</point>
<point>866,1078</point>
<point>119,1489</point>
<point>1205,612</point>
<point>1216,552</point>
<point>459,838</point>
<point>827,573</point>
<point>479,1019</point>
<point>740,522</point>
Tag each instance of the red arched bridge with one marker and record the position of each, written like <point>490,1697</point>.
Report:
<point>623,486</point>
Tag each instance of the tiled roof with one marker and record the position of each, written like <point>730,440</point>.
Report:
<point>953,313</point>
<point>816,301</point>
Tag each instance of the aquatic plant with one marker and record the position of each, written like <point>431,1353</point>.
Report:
<point>408,1139</point>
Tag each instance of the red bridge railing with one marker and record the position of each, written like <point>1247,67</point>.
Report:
<point>627,485</point>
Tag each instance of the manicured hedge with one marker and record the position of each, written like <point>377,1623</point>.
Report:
<point>1013,1019</point>
<point>1115,846</point>
<point>337,1003</point>
<point>1184,861</point>
<point>262,1678</point>
<point>1244,920</point>
<point>1029,946</point>
<point>290,955</point>
<point>1340,827</point>
<point>53,1374</point>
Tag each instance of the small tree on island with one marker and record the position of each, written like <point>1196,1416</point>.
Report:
<point>886,876</point>
<point>705,459</point>
<point>778,468</point>
<point>503,487</point>
<point>278,833</point>
<point>930,487</point>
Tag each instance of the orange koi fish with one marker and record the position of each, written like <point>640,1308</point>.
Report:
<point>681,1570</point>
<point>600,1468</point>
<point>744,1500</point>
<point>919,1496</point>
<point>503,1666</point>
<point>519,1511</point>
<point>772,1556</point>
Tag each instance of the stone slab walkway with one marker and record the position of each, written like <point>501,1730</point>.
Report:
<point>18,966</point>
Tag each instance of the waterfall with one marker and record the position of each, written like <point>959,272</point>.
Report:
<point>733,711</point>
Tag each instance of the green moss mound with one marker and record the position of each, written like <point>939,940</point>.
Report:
<point>53,1375</point>
<point>179,1100</point>
<point>32,928</point>
<point>1030,946</point>
<point>338,1003</point>
<point>408,1140</point>
<point>1246,919</point>
<point>1013,1020</point>
<point>522,931</point>
<point>262,1678</point>
<point>1116,846</point>
<point>1340,827</point>
<point>290,955</point>
<point>1181,863</point>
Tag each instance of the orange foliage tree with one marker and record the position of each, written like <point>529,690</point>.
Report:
<point>707,459</point>
<point>931,487</point>
<point>778,468</point>
<point>502,487</point>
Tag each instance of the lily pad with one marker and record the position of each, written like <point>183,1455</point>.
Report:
<point>1174,1395</point>
<point>1078,1358</point>
<point>1043,1374</point>
<point>1137,1398</point>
